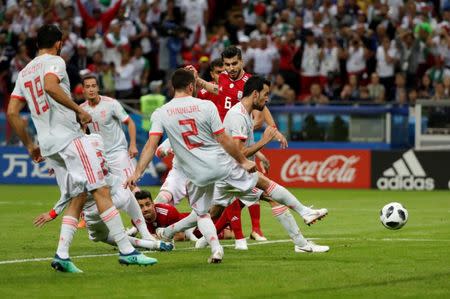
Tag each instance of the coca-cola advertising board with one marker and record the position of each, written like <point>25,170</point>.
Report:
<point>320,168</point>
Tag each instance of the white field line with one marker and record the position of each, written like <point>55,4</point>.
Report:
<point>18,261</point>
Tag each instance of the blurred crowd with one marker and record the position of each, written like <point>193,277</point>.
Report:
<point>313,51</point>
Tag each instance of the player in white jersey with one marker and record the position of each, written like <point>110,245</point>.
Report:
<point>198,140</point>
<point>234,185</point>
<point>107,119</point>
<point>173,189</point>
<point>44,86</point>
<point>239,125</point>
<point>123,199</point>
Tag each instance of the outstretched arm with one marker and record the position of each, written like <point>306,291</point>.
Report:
<point>132,150</point>
<point>146,156</point>
<point>233,150</point>
<point>20,127</point>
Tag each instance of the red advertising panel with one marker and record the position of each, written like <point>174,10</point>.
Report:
<point>320,168</point>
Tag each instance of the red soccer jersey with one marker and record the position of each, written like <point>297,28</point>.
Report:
<point>217,99</point>
<point>230,92</point>
<point>165,216</point>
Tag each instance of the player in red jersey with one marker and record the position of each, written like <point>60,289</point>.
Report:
<point>228,92</point>
<point>215,69</point>
<point>160,214</point>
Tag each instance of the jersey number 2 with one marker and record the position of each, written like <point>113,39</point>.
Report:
<point>36,96</point>
<point>193,132</point>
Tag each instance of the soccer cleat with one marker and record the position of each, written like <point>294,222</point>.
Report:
<point>160,235</point>
<point>257,237</point>
<point>240,244</point>
<point>136,258</point>
<point>216,257</point>
<point>201,243</point>
<point>64,265</point>
<point>313,215</point>
<point>163,246</point>
<point>311,247</point>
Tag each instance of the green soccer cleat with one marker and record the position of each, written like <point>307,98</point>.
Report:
<point>136,258</point>
<point>64,265</point>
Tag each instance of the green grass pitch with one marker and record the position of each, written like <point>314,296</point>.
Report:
<point>365,261</point>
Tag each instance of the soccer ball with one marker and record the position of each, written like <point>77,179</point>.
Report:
<point>393,215</point>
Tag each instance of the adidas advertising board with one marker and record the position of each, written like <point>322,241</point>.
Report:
<point>410,170</point>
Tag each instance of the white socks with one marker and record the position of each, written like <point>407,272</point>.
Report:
<point>68,229</point>
<point>164,197</point>
<point>112,220</point>
<point>286,219</point>
<point>208,230</point>
<point>134,211</point>
<point>149,244</point>
<point>189,233</point>
<point>181,226</point>
<point>284,197</point>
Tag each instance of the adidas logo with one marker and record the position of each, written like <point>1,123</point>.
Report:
<point>405,174</point>
<point>234,218</point>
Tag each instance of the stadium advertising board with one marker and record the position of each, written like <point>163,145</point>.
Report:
<point>16,167</point>
<point>410,170</point>
<point>320,168</point>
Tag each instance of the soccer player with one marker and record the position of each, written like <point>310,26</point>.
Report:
<point>43,85</point>
<point>107,118</point>
<point>201,146</point>
<point>161,215</point>
<point>227,92</point>
<point>225,190</point>
<point>239,125</point>
<point>173,189</point>
<point>122,199</point>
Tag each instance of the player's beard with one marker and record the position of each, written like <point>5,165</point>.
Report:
<point>238,73</point>
<point>258,107</point>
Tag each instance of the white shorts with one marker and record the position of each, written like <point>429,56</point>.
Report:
<point>240,184</point>
<point>175,184</point>
<point>200,198</point>
<point>77,168</point>
<point>120,164</point>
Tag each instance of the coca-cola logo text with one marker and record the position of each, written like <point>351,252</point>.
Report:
<point>335,168</point>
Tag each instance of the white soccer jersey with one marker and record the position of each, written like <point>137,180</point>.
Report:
<point>56,125</point>
<point>191,124</point>
<point>239,124</point>
<point>107,118</point>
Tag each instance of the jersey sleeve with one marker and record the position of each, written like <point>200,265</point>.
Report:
<point>17,93</point>
<point>55,66</point>
<point>223,77</point>
<point>216,123</point>
<point>173,215</point>
<point>203,94</point>
<point>236,126</point>
<point>157,127</point>
<point>120,112</point>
